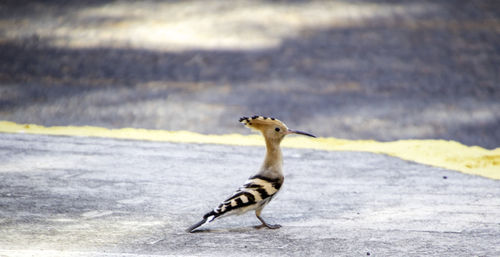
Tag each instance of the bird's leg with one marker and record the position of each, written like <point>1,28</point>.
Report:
<point>271,226</point>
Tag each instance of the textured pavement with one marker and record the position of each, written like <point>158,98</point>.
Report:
<point>80,196</point>
<point>363,69</point>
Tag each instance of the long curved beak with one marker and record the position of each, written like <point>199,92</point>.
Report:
<point>299,132</point>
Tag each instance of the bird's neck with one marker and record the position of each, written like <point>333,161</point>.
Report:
<point>273,163</point>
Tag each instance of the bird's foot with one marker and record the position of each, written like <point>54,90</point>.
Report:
<point>264,223</point>
<point>269,226</point>
<point>273,226</point>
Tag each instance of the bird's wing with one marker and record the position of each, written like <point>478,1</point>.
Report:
<point>256,191</point>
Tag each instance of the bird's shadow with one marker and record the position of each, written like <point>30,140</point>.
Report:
<point>231,230</point>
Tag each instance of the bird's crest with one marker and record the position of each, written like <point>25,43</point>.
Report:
<point>258,122</point>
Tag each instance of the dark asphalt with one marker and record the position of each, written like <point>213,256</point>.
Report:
<point>415,70</point>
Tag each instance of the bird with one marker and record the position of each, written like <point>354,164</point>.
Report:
<point>263,186</point>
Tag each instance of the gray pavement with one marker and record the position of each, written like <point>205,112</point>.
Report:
<point>364,69</point>
<point>79,196</point>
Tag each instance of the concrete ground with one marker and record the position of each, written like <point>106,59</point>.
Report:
<point>79,196</point>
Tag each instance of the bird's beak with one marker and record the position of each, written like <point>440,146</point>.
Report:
<point>299,132</point>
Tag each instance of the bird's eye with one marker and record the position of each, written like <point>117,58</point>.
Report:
<point>277,129</point>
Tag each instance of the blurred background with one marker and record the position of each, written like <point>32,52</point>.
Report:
<point>356,69</point>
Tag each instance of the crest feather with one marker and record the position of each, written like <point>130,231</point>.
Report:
<point>257,121</point>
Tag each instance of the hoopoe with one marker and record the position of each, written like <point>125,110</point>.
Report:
<point>259,189</point>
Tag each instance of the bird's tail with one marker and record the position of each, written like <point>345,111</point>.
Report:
<point>206,219</point>
<point>195,226</point>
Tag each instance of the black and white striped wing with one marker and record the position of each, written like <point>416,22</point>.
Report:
<point>256,192</point>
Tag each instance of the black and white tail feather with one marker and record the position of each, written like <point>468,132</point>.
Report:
<point>253,195</point>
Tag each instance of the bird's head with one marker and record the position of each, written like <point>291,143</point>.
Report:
<point>271,128</point>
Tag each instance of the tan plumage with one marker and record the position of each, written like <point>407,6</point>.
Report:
<point>259,189</point>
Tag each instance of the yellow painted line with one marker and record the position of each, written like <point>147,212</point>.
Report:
<point>440,153</point>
